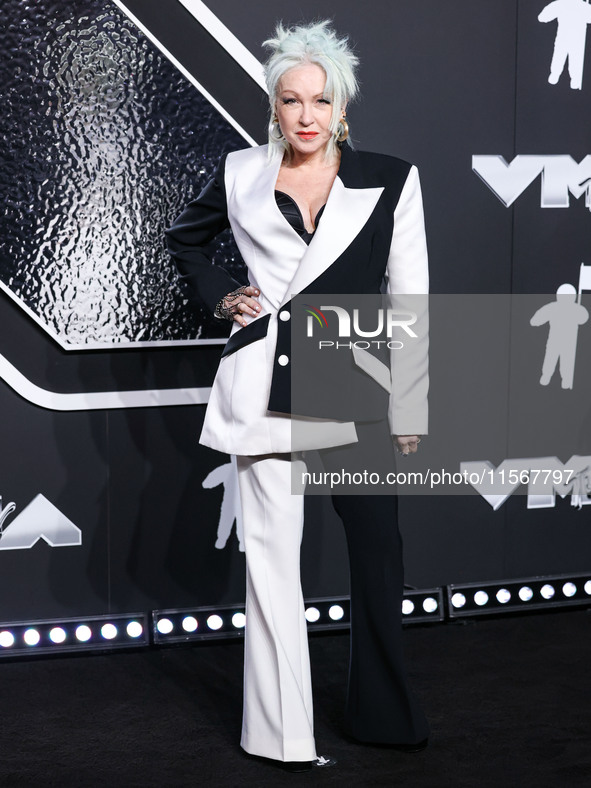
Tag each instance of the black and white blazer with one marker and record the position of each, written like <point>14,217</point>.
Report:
<point>371,231</point>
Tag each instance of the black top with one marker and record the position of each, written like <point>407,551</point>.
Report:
<point>290,209</point>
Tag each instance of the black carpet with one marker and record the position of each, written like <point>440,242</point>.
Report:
<point>509,701</point>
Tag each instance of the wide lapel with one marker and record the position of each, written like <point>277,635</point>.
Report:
<point>347,211</point>
<point>262,233</point>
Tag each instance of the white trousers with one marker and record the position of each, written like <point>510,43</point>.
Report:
<point>277,717</point>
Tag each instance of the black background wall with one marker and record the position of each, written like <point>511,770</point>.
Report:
<point>103,141</point>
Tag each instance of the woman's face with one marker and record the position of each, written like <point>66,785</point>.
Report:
<point>303,112</point>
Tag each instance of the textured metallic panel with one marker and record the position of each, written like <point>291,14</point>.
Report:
<point>102,142</point>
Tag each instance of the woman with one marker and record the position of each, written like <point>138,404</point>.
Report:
<point>305,211</point>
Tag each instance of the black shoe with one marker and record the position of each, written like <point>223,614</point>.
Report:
<point>307,766</point>
<point>293,766</point>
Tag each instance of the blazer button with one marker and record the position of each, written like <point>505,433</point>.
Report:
<point>284,315</point>
<point>283,361</point>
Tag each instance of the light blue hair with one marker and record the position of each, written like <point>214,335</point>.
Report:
<point>314,43</point>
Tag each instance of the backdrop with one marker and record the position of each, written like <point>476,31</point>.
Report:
<point>114,116</point>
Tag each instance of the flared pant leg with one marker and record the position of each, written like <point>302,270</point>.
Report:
<point>277,715</point>
<point>381,707</point>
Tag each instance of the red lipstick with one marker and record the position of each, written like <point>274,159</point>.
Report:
<point>307,135</point>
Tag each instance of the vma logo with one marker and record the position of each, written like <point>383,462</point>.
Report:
<point>39,520</point>
<point>545,477</point>
<point>561,177</point>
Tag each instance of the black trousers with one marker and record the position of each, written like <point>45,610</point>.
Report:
<point>381,707</point>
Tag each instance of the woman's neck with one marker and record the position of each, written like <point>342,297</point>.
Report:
<point>316,160</point>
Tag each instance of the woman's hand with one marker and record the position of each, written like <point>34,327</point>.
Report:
<point>238,303</point>
<point>407,444</point>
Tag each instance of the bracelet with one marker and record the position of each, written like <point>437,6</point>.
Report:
<point>226,311</point>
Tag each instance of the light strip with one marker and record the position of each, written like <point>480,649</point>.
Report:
<point>178,625</point>
<point>423,605</point>
<point>88,633</point>
<point>519,595</point>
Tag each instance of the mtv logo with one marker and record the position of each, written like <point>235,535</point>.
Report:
<point>39,520</point>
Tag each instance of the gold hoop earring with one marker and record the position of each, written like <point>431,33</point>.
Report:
<point>275,132</point>
<point>342,129</point>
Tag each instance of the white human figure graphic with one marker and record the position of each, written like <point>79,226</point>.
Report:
<point>230,510</point>
<point>573,16</point>
<point>564,317</point>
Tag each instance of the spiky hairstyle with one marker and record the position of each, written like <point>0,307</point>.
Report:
<point>314,43</point>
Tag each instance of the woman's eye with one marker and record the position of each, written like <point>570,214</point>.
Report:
<point>288,101</point>
<point>323,101</point>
